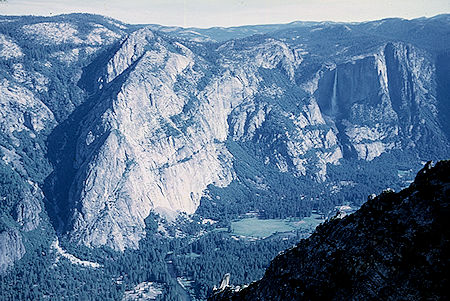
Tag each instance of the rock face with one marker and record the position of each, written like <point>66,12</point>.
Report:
<point>141,135</point>
<point>23,117</point>
<point>11,248</point>
<point>21,112</point>
<point>379,101</point>
<point>126,120</point>
<point>36,93</point>
<point>395,247</point>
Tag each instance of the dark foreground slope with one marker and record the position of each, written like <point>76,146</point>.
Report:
<point>396,247</point>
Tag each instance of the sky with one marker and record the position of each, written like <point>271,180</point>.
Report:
<point>209,13</point>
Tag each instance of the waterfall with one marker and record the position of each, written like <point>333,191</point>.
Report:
<point>334,97</point>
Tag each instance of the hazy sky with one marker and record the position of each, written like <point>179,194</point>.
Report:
<point>208,13</point>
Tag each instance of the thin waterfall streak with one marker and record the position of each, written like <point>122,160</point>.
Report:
<point>334,97</point>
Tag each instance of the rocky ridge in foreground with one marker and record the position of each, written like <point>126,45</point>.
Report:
<point>396,247</point>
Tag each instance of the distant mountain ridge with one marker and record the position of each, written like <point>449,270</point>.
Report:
<point>103,123</point>
<point>396,247</point>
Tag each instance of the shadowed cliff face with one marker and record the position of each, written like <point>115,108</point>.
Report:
<point>138,120</point>
<point>395,247</point>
